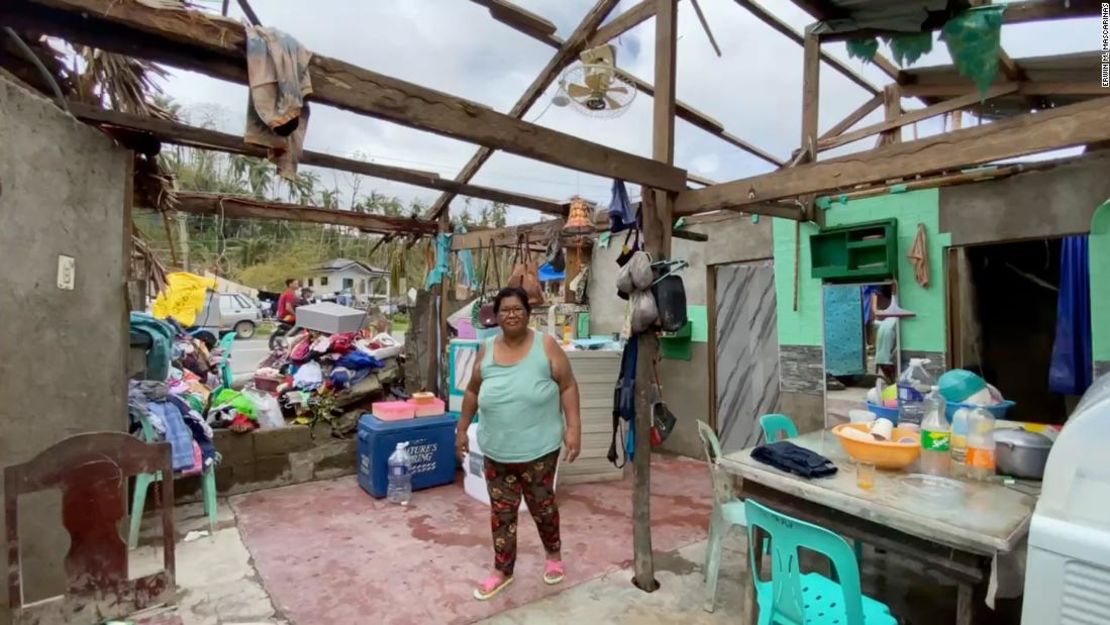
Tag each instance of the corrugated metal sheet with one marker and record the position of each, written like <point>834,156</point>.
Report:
<point>893,15</point>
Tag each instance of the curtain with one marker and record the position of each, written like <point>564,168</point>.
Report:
<point>1070,371</point>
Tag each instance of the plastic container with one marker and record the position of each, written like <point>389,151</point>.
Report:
<point>428,408</point>
<point>957,385</point>
<point>891,455</point>
<point>431,448</point>
<point>474,475</point>
<point>914,383</point>
<point>882,412</point>
<point>935,436</point>
<point>958,443</point>
<point>980,444</point>
<point>393,410</point>
<point>399,490</point>
<point>997,410</point>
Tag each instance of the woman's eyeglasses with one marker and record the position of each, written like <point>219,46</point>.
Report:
<point>512,312</point>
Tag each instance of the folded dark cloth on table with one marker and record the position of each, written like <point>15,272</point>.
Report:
<point>787,456</point>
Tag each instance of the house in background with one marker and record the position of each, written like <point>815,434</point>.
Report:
<point>364,282</point>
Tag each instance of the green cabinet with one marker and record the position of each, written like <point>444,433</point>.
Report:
<point>856,252</point>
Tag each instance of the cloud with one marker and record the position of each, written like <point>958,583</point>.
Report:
<point>455,47</point>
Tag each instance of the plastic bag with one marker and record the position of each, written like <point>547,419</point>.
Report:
<point>974,38</point>
<point>636,275</point>
<point>267,410</point>
<point>644,311</point>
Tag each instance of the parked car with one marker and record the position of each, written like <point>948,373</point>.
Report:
<point>229,312</point>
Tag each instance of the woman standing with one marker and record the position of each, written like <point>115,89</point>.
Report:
<point>523,386</point>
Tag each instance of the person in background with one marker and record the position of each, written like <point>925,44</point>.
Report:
<point>305,298</point>
<point>886,336</point>
<point>528,397</point>
<point>287,303</point>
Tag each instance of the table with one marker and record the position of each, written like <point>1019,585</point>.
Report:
<point>959,539</point>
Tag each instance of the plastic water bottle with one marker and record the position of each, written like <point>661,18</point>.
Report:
<point>958,443</point>
<point>980,444</point>
<point>935,437</point>
<point>913,385</point>
<point>400,475</point>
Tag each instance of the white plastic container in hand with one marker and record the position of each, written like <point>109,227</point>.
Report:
<point>935,436</point>
<point>400,475</point>
<point>980,444</point>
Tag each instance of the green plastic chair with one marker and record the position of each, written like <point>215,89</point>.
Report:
<point>728,512</point>
<point>791,597</point>
<point>144,480</point>
<point>777,427</point>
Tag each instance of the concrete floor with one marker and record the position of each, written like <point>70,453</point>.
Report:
<point>325,552</point>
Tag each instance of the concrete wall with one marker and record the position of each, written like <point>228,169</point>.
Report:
<point>685,383</point>
<point>1048,203</point>
<point>64,190</point>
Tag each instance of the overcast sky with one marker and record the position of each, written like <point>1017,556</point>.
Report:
<point>454,46</point>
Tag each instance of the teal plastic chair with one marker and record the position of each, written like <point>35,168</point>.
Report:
<point>728,512</point>
<point>791,597</point>
<point>225,364</point>
<point>144,480</point>
<point>777,427</point>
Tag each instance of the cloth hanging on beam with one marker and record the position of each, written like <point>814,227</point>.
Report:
<point>919,257</point>
<point>442,261</point>
<point>277,114</point>
<point>621,215</point>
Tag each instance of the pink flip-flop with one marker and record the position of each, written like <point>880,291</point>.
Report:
<point>553,572</point>
<point>490,586</point>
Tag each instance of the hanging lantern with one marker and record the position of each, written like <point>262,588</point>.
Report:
<point>578,221</point>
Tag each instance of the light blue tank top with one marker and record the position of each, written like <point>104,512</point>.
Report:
<point>521,415</point>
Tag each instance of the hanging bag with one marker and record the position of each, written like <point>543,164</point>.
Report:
<point>526,274</point>
<point>482,314</point>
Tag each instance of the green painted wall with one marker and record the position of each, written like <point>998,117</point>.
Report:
<point>926,332</point>
<point>1099,260</point>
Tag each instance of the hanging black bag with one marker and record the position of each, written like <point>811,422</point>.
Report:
<point>670,300</point>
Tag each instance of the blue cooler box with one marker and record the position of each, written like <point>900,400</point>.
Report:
<point>431,444</point>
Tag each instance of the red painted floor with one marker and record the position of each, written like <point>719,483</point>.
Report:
<point>327,552</point>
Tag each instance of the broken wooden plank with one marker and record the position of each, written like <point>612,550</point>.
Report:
<point>1039,88</point>
<point>216,46</point>
<point>204,138</point>
<point>912,117</point>
<point>1063,127</point>
<point>623,23</point>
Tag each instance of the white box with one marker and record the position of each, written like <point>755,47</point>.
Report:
<point>474,479</point>
<point>330,318</point>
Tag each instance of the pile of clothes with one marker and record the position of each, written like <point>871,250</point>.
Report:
<point>168,412</point>
<point>314,370</point>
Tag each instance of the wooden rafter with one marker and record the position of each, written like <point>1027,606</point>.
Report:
<point>854,117</point>
<point>684,111</point>
<point>216,46</point>
<point>947,106</point>
<point>517,17</point>
<point>204,138</point>
<point>566,54</point>
<point>1039,88</point>
<point>623,23</point>
<point>235,207</point>
<point>1066,126</point>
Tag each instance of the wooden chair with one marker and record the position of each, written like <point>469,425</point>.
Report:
<point>91,470</point>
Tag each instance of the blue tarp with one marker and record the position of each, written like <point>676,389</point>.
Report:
<point>1072,358</point>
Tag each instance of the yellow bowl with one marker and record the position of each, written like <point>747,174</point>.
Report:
<point>883,454</point>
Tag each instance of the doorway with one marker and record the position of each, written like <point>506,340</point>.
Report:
<point>1002,321</point>
<point>745,350</point>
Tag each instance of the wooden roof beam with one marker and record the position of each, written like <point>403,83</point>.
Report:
<point>235,207</point>
<point>1062,127</point>
<point>1038,88</point>
<point>207,139</point>
<point>565,55</point>
<point>216,46</point>
<point>623,23</point>
<point>912,117</point>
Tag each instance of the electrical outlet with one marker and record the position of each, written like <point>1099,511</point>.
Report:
<point>67,272</point>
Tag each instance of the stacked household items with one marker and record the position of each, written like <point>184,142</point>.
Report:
<point>319,372</point>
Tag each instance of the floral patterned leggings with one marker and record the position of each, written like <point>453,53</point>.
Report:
<point>507,482</point>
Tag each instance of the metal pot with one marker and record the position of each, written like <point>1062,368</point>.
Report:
<point>1021,453</point>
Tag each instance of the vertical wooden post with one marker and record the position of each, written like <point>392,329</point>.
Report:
<point>811,89</point>
<point>658,211</point>
<point>892,108</point>
<point>439,321</point>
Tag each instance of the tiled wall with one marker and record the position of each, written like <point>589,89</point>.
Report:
<point>802,369</point>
